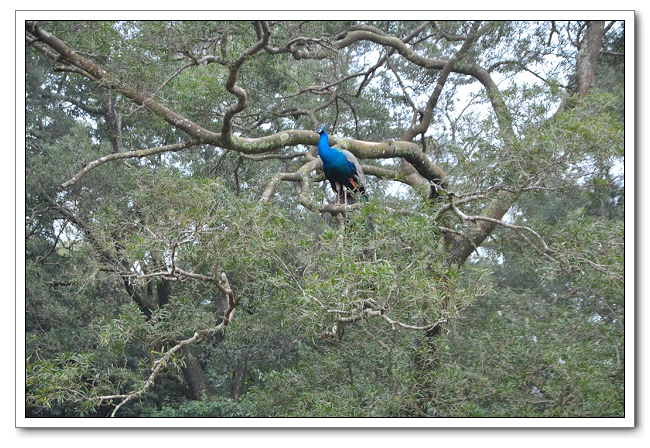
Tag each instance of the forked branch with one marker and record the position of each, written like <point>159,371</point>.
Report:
<point>199,335</point>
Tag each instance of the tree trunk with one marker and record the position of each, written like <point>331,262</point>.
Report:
<point>194,377</point>
<point>113,122</point>
<point>164,290</point>
<point>458,249</point>
<point>588,54</point>
<point>239,378</point>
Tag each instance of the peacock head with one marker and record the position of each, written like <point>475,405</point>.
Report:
<point>320,129</point>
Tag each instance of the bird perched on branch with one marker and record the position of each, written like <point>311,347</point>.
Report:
<point>342,170</point>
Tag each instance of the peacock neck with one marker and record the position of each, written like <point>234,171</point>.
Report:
<point>323,145</point>
<point>331,157</point>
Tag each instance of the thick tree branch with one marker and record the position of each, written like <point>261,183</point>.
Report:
<point>588,54</point>
<point>292,155</point>
<point>427,114</point>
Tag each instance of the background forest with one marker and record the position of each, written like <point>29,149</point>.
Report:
<point>185,255</point>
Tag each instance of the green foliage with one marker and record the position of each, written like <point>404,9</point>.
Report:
<point>49,382</point>
<point>122,265</point>
<point>531,355</point>
<point>352,379</point>
<point>217,407</point>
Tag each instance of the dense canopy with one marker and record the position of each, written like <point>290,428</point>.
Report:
<point>185,255</point>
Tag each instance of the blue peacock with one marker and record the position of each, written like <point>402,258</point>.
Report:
<point>342,170</point>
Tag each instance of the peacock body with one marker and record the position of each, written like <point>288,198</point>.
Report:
<point>341,168</point>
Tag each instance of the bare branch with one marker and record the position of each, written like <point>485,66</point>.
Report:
<point>369,311</point>
<point>427,114</point>
<point>517,229</point>
<point>96,73</point>
<point>480,74</point>
<point>40,259</point>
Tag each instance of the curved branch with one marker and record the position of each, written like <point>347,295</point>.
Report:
<point>406,150</point>
<point>494,211</point>
<point>127,155</point>
<point>301,176</point>
<point>242,96</point>
<point>517,229</point>
<point>292,155</point>
<point>409,151</point>
<point>480,74</point>
<point>98,74</point>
